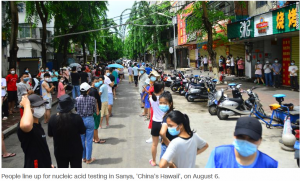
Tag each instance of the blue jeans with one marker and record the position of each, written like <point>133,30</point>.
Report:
<point>268,77</point>
<point>163,150</point>
<point>87,138</point>
<point>76,89</point>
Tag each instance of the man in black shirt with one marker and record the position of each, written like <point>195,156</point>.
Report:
<point>31,134</point>
<point>95,93</point>
<point>83,75</point>
<point>75,82</point>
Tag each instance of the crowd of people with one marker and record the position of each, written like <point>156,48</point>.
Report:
<point>74,127</point>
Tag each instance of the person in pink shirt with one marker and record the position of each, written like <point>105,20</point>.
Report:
<point>241,67</point>
<point>61,88</point>
<point>258,72</point>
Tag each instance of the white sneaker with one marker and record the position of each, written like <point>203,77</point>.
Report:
<point>149,140</point>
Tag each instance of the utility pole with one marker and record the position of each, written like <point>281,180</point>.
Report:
<point>175,61</point>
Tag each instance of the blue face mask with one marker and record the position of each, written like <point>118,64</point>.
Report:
<point>26,79</point>
<point>153,79</point>
<point>292,64</point>
<point>258,62</point>
<point>141,72</point>
<point>98,84</point>
<point>245,148</point>
<point>107,74</point>
<point>173,131</point>
<point>42,70</point>
<point>164,108</point>
<point>276,61</point>
<point>26,71</point>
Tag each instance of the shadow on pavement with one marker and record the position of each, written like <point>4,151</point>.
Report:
<point>113,141</point>
<point>116,126</point>
<point>107,161</point>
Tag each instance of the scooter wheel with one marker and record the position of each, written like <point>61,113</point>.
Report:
<point>190,99</point>
<point>220,115</point>
<point>174,89</point>
<point>212,110</point>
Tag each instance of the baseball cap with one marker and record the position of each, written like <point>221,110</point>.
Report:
<point>36,101</point>
<point>248,126</point>
<point>84,86</point>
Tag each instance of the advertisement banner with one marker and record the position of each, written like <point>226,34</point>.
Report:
<point>286,59</point>
<point>182,36</point>
<point>286,19</point>
<point>263,25</point>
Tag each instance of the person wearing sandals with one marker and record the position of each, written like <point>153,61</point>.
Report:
<point>86,107</point>
<point>182,151</point>
<point>142,78</point>
<point>165,105</point>
<point>66,127</point>
<point>156,120</point>
<point>146,100</point>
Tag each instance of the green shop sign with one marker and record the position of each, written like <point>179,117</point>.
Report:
<point>241,29</point>
<point>286,19</point>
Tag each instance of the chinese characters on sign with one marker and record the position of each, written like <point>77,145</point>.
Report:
<point>280,20</point>
<point>244,29</point>
<point>182,36</point>
<point>292,17</point>
<point>286,58</point>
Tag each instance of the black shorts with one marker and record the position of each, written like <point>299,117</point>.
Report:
<point>115,85</point>
<point>155,128</point>
<point>220,69</point>
<point>12,96</point>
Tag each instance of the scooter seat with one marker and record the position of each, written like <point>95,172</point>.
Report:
<point>238,100</point>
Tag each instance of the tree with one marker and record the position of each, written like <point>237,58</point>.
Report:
<point>13,47</point>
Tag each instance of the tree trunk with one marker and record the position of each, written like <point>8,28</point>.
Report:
<point>83,49</point>
<point>13,47</point>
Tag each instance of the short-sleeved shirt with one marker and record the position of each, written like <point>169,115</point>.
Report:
<point>46,95</point>
<point>104,93</point>
<point>115,74</point>
<point>55,79</point>
<point>170,137</point>
<point>35,147</point>
<point>231,62</point>
<point>157,113</point>
<point>267,68</point>
<point>135,71</point>
<point>276,67</point>
<point>11,80</point>
<point>72,145</point>
<point>183,151</point>
<point>130,70</point>
<point>147,95</point>
<point>84,76</point>
<point>148,70</point>
<point>293,69</point>
<point>75,78</point>
<point>23,88</point>
<point>241,64</point>
<point>3,83</point>
<point>259,72</point>
<point>107,81</point>
<point>94,93</point>
<point>86,105</point>
<point>205,60</point>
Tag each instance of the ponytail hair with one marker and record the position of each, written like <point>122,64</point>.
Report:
<point>158,86</point>
<point>168,96</point>
<point>179,118</point>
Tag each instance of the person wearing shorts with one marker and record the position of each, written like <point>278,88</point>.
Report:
<point>12,98</point>
<point>46,93</point>
<point>103,92</point>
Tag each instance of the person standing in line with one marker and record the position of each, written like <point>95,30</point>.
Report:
<point>11,80</point>
<point>66,127</point>
<point>86,107</point>
<point>75,77</point>
<point>241,67</point>
<point>293,69</point>
<point>243,153</point>
<point>95,93</point>
<point>201,64</point>
<point>61,90</point>
<point>153,78</point>
<point>228,67</point>
<point>146,89</point>
<point>182,151</point>
<point>46,94</point>
<point>277,73</point>
<point>83,75</point>
<point>221,64</point>
<point>157,119</point>
<point>88,71</point>
<point>103,92</point>
<point>109,81</point>
<point>55,79</point>
<point>121,73</point>
<point>142,79</point>
<point>236,66</point>
<point>116,75</point>
<point>66,73</point>
<point>224,64</point>
<point>210,64</point>
<point>135,74</point>
<point>130,74</point>
<point>32,135</point>
<point>41,73</point>
<point>4,152</point>
<point>4,102</point>
<point>258,72</point>
<point>27,71</point>
<point>268,73</point>
<point>205,61</point>
<point>23,88</point>
<point>232,66</point>
<point>148,69</point>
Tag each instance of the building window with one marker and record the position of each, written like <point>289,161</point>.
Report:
<point>34,53</point>
<point>260,3</point>
<point>25,30</point>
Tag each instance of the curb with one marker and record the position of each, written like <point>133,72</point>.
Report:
<point>14,128</point>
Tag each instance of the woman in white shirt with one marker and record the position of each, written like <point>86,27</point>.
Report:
<point>157,119</point>
<point>182,151</point>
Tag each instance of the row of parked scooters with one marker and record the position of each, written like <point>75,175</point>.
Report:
<point>204,88</point>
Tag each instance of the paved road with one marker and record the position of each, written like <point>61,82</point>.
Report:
<point>126,146</point>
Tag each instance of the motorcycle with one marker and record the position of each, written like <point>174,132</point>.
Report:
<point>177,82</point>
<point>197,91</point>
<point>236,106</point>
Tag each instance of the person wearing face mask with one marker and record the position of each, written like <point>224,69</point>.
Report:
<point>135,70</point>
<point>61,90</point>
<point>243,153</point>
<point>103,92</point>
<point>27,71</point>
<point>32,135</point>
<point>146,99</point>
<point>11,80</point>
<point>258,72</point>
<point>110,82</point>
<point>23,88</point>
<point>55,79</point>
<point>276,67</point>
<point>94,93</point>
<point>46,94</point>
<point>156,120</point>
<point>293,69</point>
<point>86,107</point>
<point>142,78</point>
<point>182,151</point>
<point>166,106</point>
<point>41,73</point>
<point>268,73</point>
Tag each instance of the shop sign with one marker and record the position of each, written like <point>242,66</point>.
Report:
<point>241,30</point>
<point>263,25</point>
<point>245,29</point>
<point>286,58</point>
<point>182,36</point>
<point>286,19</point>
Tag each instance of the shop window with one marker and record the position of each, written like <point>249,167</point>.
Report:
<point>260,3</point>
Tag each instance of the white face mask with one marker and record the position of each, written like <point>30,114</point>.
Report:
<point>38,112</point>
<point>48,79</point>
<point>61,80</point>
<point>12,72</point>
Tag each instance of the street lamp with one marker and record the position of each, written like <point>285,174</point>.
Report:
<point>173,22</point>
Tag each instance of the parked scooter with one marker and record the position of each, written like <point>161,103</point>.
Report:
<point>197,91</point>
<point>177,82</point>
